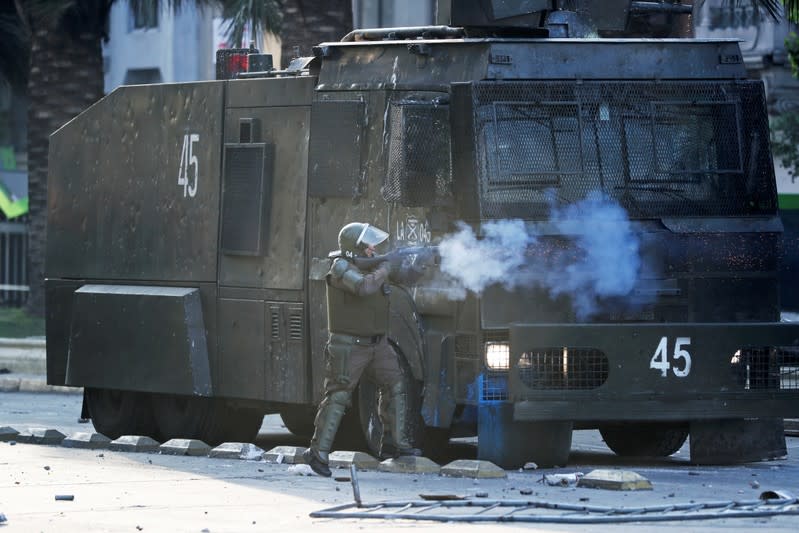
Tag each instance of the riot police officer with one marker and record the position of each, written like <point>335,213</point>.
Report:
<point>357,321</point>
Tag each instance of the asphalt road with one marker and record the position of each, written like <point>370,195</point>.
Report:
<point>115,491</point>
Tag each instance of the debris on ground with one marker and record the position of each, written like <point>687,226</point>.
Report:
<point>562,480</point>
<point>64,497</point>
<point>615,480</point>
<point>301,470</point>
<point>441,497</point>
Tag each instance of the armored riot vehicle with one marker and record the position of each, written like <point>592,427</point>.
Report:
<point>189,225</point>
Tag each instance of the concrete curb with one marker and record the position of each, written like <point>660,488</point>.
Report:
<point>24,356</point>
<point>10,383</point>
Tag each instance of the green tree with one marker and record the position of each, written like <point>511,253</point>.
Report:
<point>785,126</point>
<point>66,76</point>
<point>310,22</point>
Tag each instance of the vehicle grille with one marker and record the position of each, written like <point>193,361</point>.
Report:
<point>563,368</point>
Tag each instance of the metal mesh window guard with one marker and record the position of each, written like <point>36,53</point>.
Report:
<point>658,148</point>
<point>563,368</point>
<point>766,368</point>
<point>419,165</point>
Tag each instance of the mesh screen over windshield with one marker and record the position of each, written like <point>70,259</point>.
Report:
<point>658,148</point>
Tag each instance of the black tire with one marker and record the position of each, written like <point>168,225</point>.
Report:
<point>299,419</point>
<point>644,439</point>
<point>208,419</point>
<point>117,412</point>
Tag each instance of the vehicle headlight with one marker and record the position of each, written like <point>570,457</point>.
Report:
<point>497,355</point>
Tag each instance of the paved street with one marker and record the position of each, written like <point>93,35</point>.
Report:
<point>116,491</point>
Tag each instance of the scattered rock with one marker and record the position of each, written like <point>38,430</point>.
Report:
<point>530,466</point>
<point>301,470</point>
<point>562,480</point>
<point>526,492</point>
<point>614,480</point>
<point>754,484</point>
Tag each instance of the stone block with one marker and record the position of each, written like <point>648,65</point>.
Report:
<point>8,433</point>
<point>192,447</point>
<point>133,443</point>
<point>614,480</point>
<point>45,436</point>
<point>288,455</point>
<point>410,465</point>
<point>361,460</point>
<point>237,450</point>
<point>473,469</point>
<point>89,441</point>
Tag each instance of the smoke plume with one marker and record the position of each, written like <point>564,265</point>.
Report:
<point>594,255</point>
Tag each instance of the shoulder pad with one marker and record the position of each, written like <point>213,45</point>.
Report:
<point>340,266</point>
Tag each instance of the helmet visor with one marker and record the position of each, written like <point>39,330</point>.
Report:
<point>371,236</point>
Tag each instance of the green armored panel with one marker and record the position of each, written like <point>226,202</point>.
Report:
<point>133,186</point>
<point>143,337</point>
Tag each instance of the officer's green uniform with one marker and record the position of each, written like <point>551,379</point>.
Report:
<point>358,315</point>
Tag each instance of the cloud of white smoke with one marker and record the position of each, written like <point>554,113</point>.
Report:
<point>603,259</point>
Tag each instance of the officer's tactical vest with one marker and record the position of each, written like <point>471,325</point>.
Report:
<point>351,314</point>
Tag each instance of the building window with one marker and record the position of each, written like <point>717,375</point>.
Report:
<point>144,15</point>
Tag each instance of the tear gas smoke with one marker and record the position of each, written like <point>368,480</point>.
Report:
<point>600,258</point>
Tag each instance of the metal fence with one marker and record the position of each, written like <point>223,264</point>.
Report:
<point>13,274</point>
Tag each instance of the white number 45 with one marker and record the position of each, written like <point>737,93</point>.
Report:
<point>188,159</point>
<point>660,361</point>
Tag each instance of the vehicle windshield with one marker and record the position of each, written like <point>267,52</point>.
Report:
<point>689,149</point>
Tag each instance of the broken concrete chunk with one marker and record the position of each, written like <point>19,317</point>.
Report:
<point>410,465</point>
<point>361,460</point>
<point>301,470</point>
<point>562,480</point>
<point>288,455</point>
<point>89,441</point>
<point>133,443</point>
<point>614,480</point>
<point>237,450</point>
<point>191,447</point>
<point>472,469</point>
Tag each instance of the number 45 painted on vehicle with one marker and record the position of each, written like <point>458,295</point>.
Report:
<point>188,159</point>
<point>660,361</point>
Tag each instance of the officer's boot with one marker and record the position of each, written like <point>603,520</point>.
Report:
<point>396,441</point>
<point>326,423</point>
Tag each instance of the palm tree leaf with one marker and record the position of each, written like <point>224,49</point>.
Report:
<point>262,16</point>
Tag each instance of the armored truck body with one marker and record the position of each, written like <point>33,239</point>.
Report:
<point>189,226</point>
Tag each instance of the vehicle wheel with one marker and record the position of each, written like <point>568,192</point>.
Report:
<point>117,412</point>
<point>208,419</point>
<point>644,439</point>
<point>299,419</point>
<point>510,444</point>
